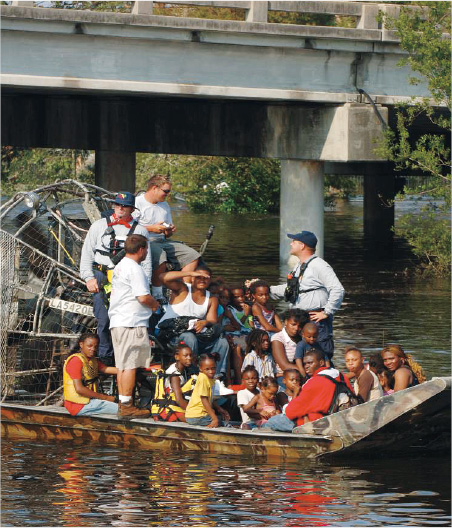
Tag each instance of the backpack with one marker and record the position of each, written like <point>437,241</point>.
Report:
<point>343,397</point>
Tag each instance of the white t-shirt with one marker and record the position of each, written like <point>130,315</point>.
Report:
<point>243,397</point>
<point>129,282</point>
<point>148,213</point>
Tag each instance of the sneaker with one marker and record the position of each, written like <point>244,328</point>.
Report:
<point>220,389</point>
<point>127,410</point>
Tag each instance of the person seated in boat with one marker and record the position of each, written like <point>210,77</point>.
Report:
<point>407,372</point>
<point>284,343</point>
<point>316,395</point>
<point>174,388</point>
<point>264,316</point>
<point>264,405</point>
<point>250,379</point>
<point>81,380</point>
<point>201,407</point>
<point>309,336</point>
<point>375,363</point>
<point>292,380</point>
<point>366,382</point>
<point>194,303</point>
<point>236,327</point>
<point>154,214</point>
<point>258,354</point>
<point>386,379</point>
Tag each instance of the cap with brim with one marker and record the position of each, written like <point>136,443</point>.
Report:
<point>126,199</point>
<point>306,237</point>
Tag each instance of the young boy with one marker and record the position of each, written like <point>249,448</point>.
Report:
<point>366,383</point>
<point>201,407</point>
<point>309,335</point>
<point>292,381</point>
<point>250,378</point>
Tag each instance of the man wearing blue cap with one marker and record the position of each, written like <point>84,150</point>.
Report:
<point>102,250</point>
<point>312,286</point>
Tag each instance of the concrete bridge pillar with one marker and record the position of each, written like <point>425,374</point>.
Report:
<point>379,193</point>
<point>301,202</point>
<point>115,171</point>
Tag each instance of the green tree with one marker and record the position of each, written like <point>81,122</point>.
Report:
<point>423,34</point>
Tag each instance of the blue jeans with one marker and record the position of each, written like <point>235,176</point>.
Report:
<point>280,422</point>
<point>220,346</point>
<point>96,406</point>
<point>202,421</point>
<point>325,339</point>
<point>100,309</point>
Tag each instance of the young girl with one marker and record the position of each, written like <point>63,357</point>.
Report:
<point>284,343</point>
<point>292,381</point>
<point>264,403</point>
<point>258,354</point>
<point>174,389</point>
<point>386,379</point>
<point>80,380</point>
<point>250,378</point>
<point>201,407</point>
<point>264,317</point>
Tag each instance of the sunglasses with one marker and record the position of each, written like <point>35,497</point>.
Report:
<point>166,191</point>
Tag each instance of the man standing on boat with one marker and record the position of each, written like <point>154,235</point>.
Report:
<point>131,305</point>
<point>102,250</point>
<point>313,287</point>
<point>154,214</point>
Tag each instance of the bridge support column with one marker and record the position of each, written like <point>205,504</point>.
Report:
<point>379,193</point>
<point>301,205</point>
<point>115,171</point>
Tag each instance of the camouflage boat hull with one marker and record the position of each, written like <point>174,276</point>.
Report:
<point>414,419</point>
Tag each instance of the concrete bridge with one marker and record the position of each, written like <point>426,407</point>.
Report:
<point>120,83</point>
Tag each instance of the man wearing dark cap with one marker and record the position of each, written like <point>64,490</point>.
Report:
<point>312,286</point>
<point>100,253</point>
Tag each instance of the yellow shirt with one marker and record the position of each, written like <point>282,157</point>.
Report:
<point>203,387</point>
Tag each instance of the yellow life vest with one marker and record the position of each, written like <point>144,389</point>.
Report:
<point>90,372</point>
<point>164,400</point>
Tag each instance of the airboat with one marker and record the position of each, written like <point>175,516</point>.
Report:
<point>45,307</point>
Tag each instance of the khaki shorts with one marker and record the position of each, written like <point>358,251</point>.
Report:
<point>177,253</point>
<point>131,346</point>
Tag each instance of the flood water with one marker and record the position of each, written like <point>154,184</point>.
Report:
<point>75,485</point>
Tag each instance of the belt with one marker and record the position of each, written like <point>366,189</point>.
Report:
<point>103,268</point>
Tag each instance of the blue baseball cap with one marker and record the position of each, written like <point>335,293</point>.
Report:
<point>125,198</point>
<point>306,237</point>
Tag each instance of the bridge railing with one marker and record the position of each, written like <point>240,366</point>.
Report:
<point>365,15</point>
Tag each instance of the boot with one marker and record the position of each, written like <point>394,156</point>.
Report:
<point>127,410</point>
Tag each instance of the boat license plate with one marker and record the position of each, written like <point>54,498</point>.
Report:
<point>68,306</point>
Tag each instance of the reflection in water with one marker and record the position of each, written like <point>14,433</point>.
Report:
<point>63,485</point>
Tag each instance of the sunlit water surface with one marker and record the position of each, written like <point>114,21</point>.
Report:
<point>92,485</point>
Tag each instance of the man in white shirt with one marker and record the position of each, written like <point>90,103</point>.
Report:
<point>154,213</point>
<point>313,287</point>
<point>131,305</point>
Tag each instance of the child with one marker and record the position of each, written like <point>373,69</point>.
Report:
<point>80,380</point>
<point>292,381</point>
<point>284,343</point>
<point>258,354</point>
<point>250,377</point>
<point>264,403</point>
<point>309,335</point>
<point>386,379</point>
<point>366,382</point>
<point>236,324</point>
<point>201,407</point>
<point>173,390</point>
<point>375,362</point>
<point>264,317</point>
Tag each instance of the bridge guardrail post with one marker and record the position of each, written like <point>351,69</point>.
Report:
<point>257,12</point>
<point>368,19</point>
<point>142,8</point>
<point>393,12</point>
